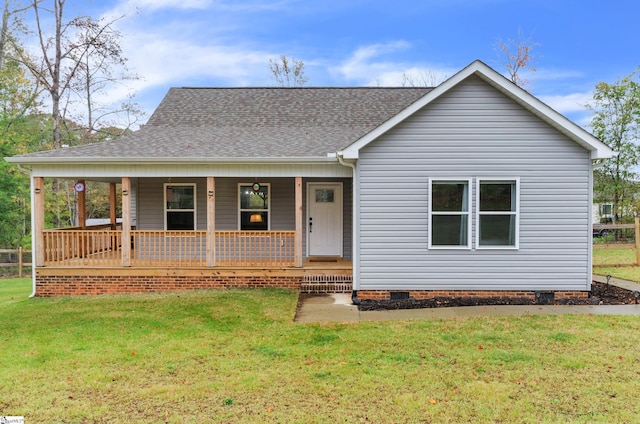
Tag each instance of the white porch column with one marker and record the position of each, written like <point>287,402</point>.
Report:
<point>126,221</point>
<point>298,237</point>
<point>38,220</point>
<point>211,222</point>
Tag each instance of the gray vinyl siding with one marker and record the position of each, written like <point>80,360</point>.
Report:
<point>282,198</point>
<point>474,131</point>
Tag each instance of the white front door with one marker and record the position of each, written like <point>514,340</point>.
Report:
<point>324,219</point>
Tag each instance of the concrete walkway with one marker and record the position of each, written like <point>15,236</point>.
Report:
<point>338,308</point>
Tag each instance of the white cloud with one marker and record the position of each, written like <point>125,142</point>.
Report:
<point>567,103</point>
<point>364,66</point>
<point>173,4</point>
<point>360,65</point>
<point>166,61</point>
<point>129,7</point>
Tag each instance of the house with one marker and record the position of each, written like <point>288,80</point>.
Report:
<point>602,213</point>
<point>473,187</point>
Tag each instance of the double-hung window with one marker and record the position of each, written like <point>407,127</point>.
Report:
<point>449,216</point>
<point>497,213</point>
<point>254,207</point>
<point>180,206</point>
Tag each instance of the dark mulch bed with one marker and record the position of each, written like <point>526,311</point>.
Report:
<point>601,294</point>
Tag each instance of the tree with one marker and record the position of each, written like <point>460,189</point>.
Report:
<point>421,78</point>
<point>102,67</point>
<point>64,54</point>
<point>76,60</point>
<point>17,105</point>
<point>288,72</point>
<point>517,57</point>
<point>11,24</point>
<point>616,122</point>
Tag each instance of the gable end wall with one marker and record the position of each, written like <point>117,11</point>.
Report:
<point>474,131</point>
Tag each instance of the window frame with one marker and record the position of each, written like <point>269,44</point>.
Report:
<point>195,204</point>
<point>468,213</point>
<point>240,210</point>
<point>515,213</point>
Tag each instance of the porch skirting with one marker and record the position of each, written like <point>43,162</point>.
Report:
<point>107,281</point>
<point>54,281</point>
<point>430,294</point>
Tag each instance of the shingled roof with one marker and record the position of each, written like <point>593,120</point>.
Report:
<point>253,123</point>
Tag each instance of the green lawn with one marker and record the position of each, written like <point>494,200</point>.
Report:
<point>619,262</point>
<point>237,356</point>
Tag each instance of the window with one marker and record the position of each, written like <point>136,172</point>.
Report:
<point>180,206</point>
<point>606,210</point>
<point>497,219</point>
<point>254,207</point>
<point>449,207</point>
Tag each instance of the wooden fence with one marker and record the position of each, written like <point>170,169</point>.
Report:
<point>14,258</point>
<point>618,235</point>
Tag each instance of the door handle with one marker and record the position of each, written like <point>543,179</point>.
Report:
<point>310,225</point>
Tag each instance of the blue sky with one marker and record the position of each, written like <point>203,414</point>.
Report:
<point>371,42</point>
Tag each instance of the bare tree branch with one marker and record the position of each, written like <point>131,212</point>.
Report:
<point>288,72</point>
<point>517,57</point>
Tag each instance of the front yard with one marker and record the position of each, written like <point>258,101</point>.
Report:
<point>237,356</point>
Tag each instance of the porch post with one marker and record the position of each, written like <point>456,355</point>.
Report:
<point>211,222</point>
<point>82,206</point>
<point>112,206</point>
<point>298,237</point>
<point>38,220</point>
<point>126,221</point>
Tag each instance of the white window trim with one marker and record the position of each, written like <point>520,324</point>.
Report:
<point>516,213</point>
<point>195,204</point>
<point>268,210</point>
<point>467,212</point>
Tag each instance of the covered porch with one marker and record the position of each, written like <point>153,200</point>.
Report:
<point>221,249</point>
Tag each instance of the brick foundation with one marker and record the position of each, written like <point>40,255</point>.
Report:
<point>69,284</point>
<point>430,294</point>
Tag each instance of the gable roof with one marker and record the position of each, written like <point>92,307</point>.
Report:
<point>217,124</point>
<point>598,149</point>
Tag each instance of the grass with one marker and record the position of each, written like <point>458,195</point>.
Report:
<point>237,356</point>
<point>619,262</point>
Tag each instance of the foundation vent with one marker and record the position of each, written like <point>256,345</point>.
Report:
<point>327,284</point>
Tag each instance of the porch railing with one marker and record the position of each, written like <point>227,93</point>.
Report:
<point>168,248</point>
<point>255,248</point>
<point>81,247</point>
<point>101,248</point>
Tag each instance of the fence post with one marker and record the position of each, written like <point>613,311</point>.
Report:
<point>637,234</point>
<point>20,262</point>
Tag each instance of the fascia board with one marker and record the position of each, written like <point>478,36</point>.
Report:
<point>168,161</point>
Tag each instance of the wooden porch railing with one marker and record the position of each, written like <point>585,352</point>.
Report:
<point>101,248</point>
<point>81,247</point>
<point>255,248</point>
<point>168,248</point>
